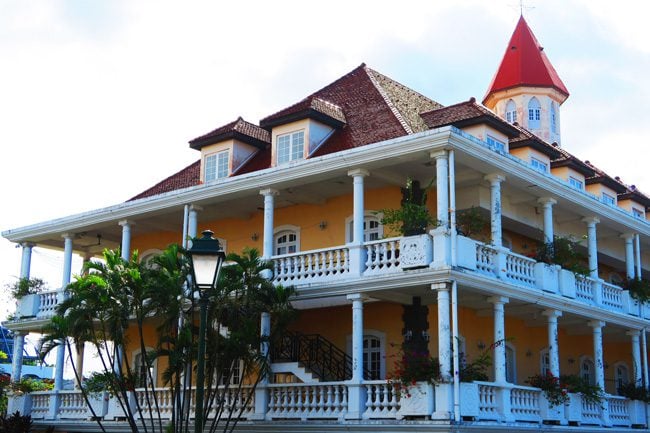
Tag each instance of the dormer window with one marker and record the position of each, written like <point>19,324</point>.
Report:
<point>534,114</point>
<point>539,165</point>
<point>511,112</point>
<point>290,147</point>
<point>576,183</point>
<point>638,213</point>
<point>216,166</point>
<point>495,143</point>
<point>608,199</point>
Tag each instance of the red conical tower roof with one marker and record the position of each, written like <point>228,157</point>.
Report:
<point>525,64</point>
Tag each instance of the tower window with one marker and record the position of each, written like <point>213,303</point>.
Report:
<point>511,112</point>
<point>553,118</point>
<point>534,114</point>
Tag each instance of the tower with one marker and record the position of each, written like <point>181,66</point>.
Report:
<point>526,88</point>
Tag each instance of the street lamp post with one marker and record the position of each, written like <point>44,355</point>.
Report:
<point>206,258</point>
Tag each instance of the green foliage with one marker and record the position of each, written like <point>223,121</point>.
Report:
<point>556,390</point>
<point>562,251</point>
<point>16,423</point>
<point>477,369</point>
<point>26,286</point>
<point>635,392</point>
<point>413,217</point>
<point>5,384</point>
<point>26,385</point>
<point>639,289</point>
<point>471,222</point>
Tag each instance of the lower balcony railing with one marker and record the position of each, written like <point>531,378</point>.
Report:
<point>479,402</point>
<point>393,256</point>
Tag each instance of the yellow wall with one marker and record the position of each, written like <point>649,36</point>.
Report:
<point>482,131</point>
<point>598,189</point>
<point>526,153</point>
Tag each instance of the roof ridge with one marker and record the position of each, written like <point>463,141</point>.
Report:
<point>389,102</point>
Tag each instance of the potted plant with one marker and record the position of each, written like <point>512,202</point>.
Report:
<point>414,376</point>
<point>25,291</point>
<point>411,221</point>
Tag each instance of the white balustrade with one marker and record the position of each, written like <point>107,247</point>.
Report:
<point>612,296</point>
<point>381,400</point>
<point>40,404</point>
<point>488,404</point>
<point>591,413</point>
<point>159,400</point>
<point>237,402</point>
<point>48,303</point>
<point>73,405</point>
<point>525,403</point>
<point>584,289</point>
<point>619,414</point>
<point>486,258</point>
<point>305,401</point>
<point>520,269</point>
<point>311,266</point>
<point>382,256</point>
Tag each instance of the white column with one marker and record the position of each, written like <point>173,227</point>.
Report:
<point>26,262</point>
<point>553,341</point>
<point>637,368</point>
<point>358,209</point>
<point>126,239</point>
<point>442,187</point>
<point>193,222</point>
<point>356,394</point>
<point>269,209</point>
<point>547,209</point>
<point>79,363</point>
<point>17,358</point>
<point>444,329</point>
<point>629,254</point>
<point>261,391</point>
<point>592,245</point>
<point>495,207</point>
<point>499,338</point>
<point>599,363</point>
<point>644,355</point>
<point>637,247</point>
<point>67,274</point>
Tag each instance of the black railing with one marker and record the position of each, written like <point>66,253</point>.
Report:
<point>317,354</point>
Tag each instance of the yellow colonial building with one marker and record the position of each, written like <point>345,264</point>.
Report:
<point>307,187</point>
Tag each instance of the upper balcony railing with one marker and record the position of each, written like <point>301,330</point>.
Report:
<point>398,255</point>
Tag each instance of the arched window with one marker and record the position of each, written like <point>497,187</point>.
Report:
<point>286,240</point>
<point>544,362</point>
<point>534,114</point>
<point>511,364</point>
<point>372,228</point>
<point>553,118</point>
<point>374,353</point>
<point>588,370</point>
<point>143,371</point>
<point>621,376</point>
<point>511,111</point>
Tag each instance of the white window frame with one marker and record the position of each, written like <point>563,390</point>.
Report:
<point>511,111</point>
<point>367,216</point>
<point>592,374</point>
<point>293,149</point>
<point>544,361</point>
<point>534,113</point>
<point>495,143</point>
<point>618,379</point>
<point>216,165</point>
<point>285,230</point>
<point>638,213</point>
<point>379,335</point>
<point>235,379</point>
<point>154,366</point>
<point>608,199</point>
<point>576,183</point>
<point>538,165</point>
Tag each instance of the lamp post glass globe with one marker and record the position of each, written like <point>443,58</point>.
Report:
<point>206,258</point>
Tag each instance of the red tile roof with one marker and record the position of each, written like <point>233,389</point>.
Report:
<point>189,176</point>
<point>525,64</point>
<point>238,129</point>
<point>465,114</point>
<point>311,107</point>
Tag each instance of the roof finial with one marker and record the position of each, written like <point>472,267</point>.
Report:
<point>522,6</point>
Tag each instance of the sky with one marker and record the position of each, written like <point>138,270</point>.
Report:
<point>98,100</point>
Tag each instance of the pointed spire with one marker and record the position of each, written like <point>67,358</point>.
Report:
<point>525,64</point>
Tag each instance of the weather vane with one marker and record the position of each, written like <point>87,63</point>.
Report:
<point>522,6</point>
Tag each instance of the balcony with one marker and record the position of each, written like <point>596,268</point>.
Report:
<point>481,403</point>
<point>347,264</point>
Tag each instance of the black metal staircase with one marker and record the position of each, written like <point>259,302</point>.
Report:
<point>317,354</point>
